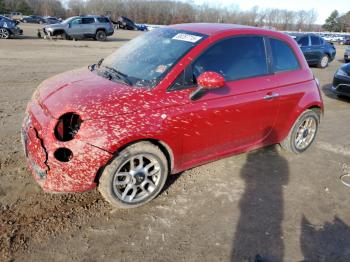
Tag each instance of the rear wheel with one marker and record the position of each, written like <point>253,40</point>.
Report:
<point>4,33</point>
<point>135,176</point>
<point>303,132</point>
<point>323,63</point>
<point>101,35</point>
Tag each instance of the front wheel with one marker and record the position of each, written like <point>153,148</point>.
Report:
<point>303,132</point>
<point>135,176</point>
<point>323,63</point>
<point>4,33</point>
<point>101,35</point>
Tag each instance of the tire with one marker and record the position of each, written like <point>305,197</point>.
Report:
<point>324,61</point>
<point>65,36</point>
<point>290,143</point>
<point>136,185</point>
<point>4,33</point>
<point>101,35</point>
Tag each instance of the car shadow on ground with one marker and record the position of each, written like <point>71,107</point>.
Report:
<point>27,37</point>
<point>258,235</point>
<point>109,39</point>
<point>328,242</point>
<point>327,90</point>
<point>169,182</point>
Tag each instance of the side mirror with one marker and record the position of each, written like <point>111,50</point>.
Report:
<point>207,81</point>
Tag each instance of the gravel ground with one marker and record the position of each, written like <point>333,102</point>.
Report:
<point>280,206</point>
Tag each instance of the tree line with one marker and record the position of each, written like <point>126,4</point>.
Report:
<point>172,12</point>
<point>338,23</point>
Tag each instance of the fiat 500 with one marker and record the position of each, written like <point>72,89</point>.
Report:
<point>169,100</point>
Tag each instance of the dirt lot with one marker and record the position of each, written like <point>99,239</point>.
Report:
<point>267,202</point>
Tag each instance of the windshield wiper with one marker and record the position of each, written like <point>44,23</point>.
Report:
<point>123,77</point>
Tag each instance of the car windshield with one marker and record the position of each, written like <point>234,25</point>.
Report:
<point>146,59</point>
<point>68,20</point>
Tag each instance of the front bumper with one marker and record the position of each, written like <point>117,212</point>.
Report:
<point>346,56</point>
<point>341,85</point>
<point>76,175</point>
<point>16,31</point>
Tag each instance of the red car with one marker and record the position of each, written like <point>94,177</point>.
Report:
<point>169,100</point>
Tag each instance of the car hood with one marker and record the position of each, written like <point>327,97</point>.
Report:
<point>346,68</point>
<point>91,96</point>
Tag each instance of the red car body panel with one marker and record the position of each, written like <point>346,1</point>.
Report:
<point>229,120</point>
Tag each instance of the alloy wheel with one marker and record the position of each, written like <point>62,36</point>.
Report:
<point>4,33</point>
<point>137,178</point>
<point>306,133</point>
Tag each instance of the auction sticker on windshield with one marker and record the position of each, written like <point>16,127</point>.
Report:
<point>187,37</point>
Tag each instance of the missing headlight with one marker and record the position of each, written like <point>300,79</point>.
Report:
<point>67,126</point>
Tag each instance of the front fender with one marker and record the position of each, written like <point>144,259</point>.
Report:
<point>113,134</point>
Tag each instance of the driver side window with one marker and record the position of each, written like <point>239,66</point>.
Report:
<point>76,22</point>
<point>234,58</point>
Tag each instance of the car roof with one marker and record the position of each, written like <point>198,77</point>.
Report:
<point>215,28</point>
<point>93,16</point>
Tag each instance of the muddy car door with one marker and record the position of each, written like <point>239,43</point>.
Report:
<point>238,115</point>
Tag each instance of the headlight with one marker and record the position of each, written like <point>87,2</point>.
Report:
<point>67,126</point>
<point>341,72</point>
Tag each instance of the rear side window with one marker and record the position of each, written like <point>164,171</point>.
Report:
<point>283,56</point>
<point>304,41</point>
<point>234,58</point>
<point>103,19</point>
<point>315,40</point>
<point>88,20</point>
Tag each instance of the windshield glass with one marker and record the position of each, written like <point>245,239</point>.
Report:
<point>68,20</point>
<point>146,59</point>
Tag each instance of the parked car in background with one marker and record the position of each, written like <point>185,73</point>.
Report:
<point>34,19</point>
<point>51,20</point>
<point>16,16</point>
<point>316,50</point>
<point>8,28</point>
<point>169,100</point>
<point>347,55</point>
<point>341,81</point>
<point>345,41</point>
<point>78,27</point>
<point>127,24</point>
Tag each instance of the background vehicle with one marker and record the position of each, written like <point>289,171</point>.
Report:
<point>16,16</point>
<point>51,20</point>
<point>347,55</point>
<point>207,91</point>
<point>34,19</point>
<point>97,27</point>
<point>345,41</point>
<point>127,24</point>
<point>341,81</point>
<point>8,28</point>
<point>316,50</point>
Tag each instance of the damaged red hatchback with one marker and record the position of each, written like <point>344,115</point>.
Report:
<point>171,99</point>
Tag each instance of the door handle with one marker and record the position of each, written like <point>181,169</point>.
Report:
<point>271,96</point>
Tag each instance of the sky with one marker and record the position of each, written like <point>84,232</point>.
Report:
<point>322,7</point>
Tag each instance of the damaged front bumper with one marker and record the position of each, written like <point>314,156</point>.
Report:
<point>16,31</point>
<point>76,175</point>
